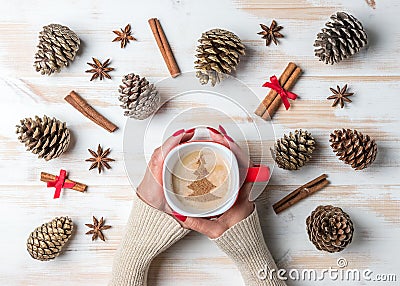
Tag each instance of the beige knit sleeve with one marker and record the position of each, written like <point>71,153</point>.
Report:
<point>244,243</point>
<point>149,232</point>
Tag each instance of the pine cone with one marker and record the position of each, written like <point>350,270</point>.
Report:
<point>292,151</point>
<point>329,228</point>
<point>58,46</point>
<point>343,36</point>
<point>48,138</point>
<point>46,241</point>
<point>354,148</point>
<point>139,98</point>
<point>218,54</point>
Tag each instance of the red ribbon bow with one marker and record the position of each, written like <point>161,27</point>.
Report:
<point>60,183</point>
<point>275,85</point>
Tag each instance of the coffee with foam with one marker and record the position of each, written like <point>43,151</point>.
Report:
<point>201,179</point>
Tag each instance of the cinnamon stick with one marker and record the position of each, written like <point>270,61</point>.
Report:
<point>164,47</point>
<point>262,108</point>
<point>83,107</point>
<point>277,102</point>
<point>46,177</point>
<point>301,193</point>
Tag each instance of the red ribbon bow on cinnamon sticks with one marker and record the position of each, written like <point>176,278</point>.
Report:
<point>60,183</point>
<point>275,85</point>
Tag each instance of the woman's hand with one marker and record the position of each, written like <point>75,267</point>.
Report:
<point>150,190</point>
<point>242,207</point>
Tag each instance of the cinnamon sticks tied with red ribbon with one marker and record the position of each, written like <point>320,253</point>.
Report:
<point>301,193</point>
<point>164,47</point>
<point>61,181</point>
<point>279,90</point>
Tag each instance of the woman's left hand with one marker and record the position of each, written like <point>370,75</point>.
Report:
<point>150,190</point>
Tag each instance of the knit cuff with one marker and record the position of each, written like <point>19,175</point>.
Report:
<point>244,243</point>
<point>149,232</point>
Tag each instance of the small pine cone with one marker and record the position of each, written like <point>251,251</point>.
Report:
<point>48,138</point>
<point>353,148</point>
<point>292,151</point>
<point>139,98</point>
<point>329,228</point>
<point>46,241</point>
<point>343,36</point>
<point>217,54</point>
<point>58,46</point>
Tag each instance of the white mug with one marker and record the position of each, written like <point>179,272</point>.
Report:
<point>179,152</point>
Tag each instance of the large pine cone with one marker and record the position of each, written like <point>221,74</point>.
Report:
<point>343,36</point>
<point>48,138</point>
<point>139,98</point>
<point>292,151</point>
<point>58,46</point>
<point>354,148</point>
<point>218,54</point>
<point>329,228</point>
<point>46,241</point>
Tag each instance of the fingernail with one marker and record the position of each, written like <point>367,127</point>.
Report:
<point>229,138</point>
<point>182,218</point>
<point>191,130</point>
<point>222,129</point>
<point>213,130</point>
<point>178,132</point>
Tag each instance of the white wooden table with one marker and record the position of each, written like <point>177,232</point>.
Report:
<point>371,197</point>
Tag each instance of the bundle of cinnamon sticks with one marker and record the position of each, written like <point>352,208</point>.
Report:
<point>164,47</point>
<point>87,110</point>
<point>46,177</point>
<point>273,100</point>
<point>301,193</point>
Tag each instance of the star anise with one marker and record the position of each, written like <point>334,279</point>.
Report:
<point>124,36</point>
<point>97,228</point>
<point>271,33</point>
<point>99,69</point>
<point>340,96</point>
<point>99,159</point>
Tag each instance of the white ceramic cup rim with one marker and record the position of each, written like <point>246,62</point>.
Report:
<point>234,177</point>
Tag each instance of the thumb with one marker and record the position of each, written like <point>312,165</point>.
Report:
<point>210,228</point>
